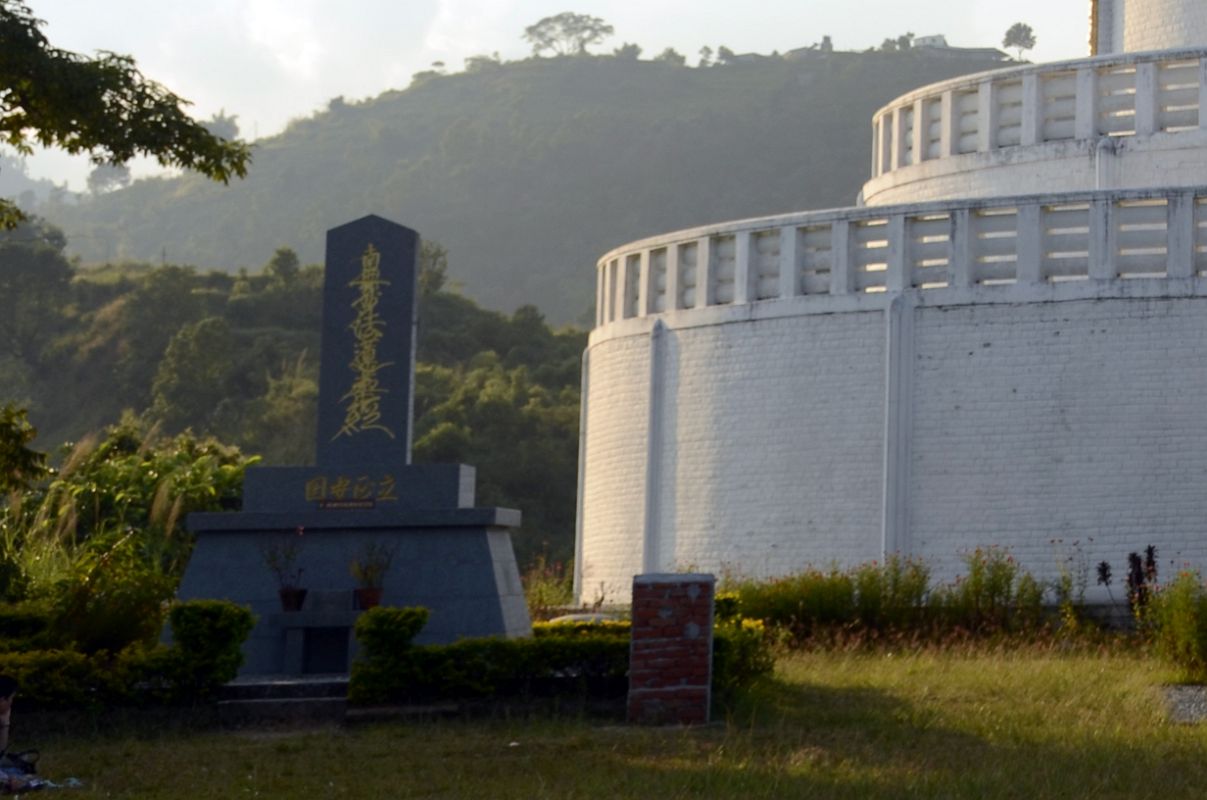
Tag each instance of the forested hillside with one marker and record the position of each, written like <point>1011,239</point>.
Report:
<point>528,171</point>
<point>235,356</point>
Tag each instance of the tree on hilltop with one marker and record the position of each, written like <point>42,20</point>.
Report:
<point>672,57</point>
<point>1020,37</point>
<point>567,34</point>
<point>98,105</point>
<point>629,51</point>
<point>107,177</point>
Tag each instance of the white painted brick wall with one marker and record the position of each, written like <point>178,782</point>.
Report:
<point>1031,422</point>
<point>613,502</point>
<point>1161,24</point>
<point>772,448</point>
<point>1060,421</point>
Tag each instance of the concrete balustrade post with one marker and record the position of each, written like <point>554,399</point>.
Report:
<point>1031,131</point>
<point>897,147</point>
<point>921,131</point>
<point>673,300</point>
<point>959,253</point>
<point>1146,98</point>
<point>986,117</point>
<point>896,278</point>
<point>705,290</point>
<point>744,271</point>
<point>645,286</point>
<point>842,278</point>
<point>1085,119</point>
<point>1102,249</point>
<point>789,266</point>
<point>1180,230</point>
<point>1029,245</point>
<point>1203,93</point>
<point>949,126</point>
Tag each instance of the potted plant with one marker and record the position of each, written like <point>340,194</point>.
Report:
<point>369,569</point>
<point>280,555</point>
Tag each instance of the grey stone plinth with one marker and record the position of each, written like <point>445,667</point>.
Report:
<point>458,563</point>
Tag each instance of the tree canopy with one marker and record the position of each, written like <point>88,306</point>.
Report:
<point>567,34</point>
<point>98,105</point>
<point>1020,37</point>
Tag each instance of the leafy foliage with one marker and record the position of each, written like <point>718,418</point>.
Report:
<point>1019,36</point>
<point>19,465</point>
<point>208,636</point>
<point>566,34</point>
<point>1178,614</point>
<point>207,652</point>
<point>101,106</point>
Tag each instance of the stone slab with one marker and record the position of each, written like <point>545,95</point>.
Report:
<point>367,486</point>
<point>466,576</point>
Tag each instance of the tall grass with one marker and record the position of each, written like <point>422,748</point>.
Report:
<point>994,594</point>
<point>869,725</point>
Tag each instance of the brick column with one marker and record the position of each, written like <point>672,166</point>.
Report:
<point>670,663</point>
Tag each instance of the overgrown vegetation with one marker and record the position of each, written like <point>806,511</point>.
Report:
<point>235,358</point>
<point>897,598</point>
<point>1178,617</point>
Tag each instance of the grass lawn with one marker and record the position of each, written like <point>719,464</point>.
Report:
<point>929,724</point>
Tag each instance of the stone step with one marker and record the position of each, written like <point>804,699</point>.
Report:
<point>286,687</point>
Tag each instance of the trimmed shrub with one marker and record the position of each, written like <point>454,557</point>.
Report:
<point>1179,617</point>
<point>579,659</point>
<point>208,638</point>
<point>207,653</point>
<point>619,628</point>
<point>385,631</point>
<point>475,668</point>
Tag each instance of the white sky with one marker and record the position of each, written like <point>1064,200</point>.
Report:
<point>269,61</point>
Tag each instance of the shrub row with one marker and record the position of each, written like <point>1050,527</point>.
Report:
<point>206,653</point>
<point>559,660</point>
<point>995,594</point>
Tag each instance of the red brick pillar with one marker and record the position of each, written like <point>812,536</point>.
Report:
<point>670,661</point>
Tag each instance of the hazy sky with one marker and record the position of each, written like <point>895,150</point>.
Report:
<point>269,61</point>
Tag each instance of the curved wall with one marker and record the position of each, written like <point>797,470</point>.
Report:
<point>837,386</point>
<point>1113,122</point>
<point>1042,426</point>
<point>1157,24</point>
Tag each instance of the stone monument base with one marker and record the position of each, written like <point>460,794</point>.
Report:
<point>458,563</point>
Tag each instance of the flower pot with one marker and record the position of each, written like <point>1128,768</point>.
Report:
<point>292,598</point>
<point>365,598</point>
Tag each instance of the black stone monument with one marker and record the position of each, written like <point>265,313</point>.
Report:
<point>449,556</point>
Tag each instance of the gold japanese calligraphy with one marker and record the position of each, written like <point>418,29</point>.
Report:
<point>362,402</point>
<point>334,491</point>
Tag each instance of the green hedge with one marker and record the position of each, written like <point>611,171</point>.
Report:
<point>1178,615</point>
<point>207,652</point>
<point>576,659</point>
